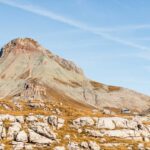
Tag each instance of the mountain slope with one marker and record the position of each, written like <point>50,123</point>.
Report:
<point>29,71</point>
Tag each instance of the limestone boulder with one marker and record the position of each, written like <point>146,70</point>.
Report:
<point>93,146</point>
<point>22,136</point>
<point>55,122</point>
<point>59,148</point>
<point>13,130</point>
<point>37,138</point>
<point>43,129</point>
<point>83,121</point>
<point>73,146</point>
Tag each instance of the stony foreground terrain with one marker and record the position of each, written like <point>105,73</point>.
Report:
<point>54,126</point>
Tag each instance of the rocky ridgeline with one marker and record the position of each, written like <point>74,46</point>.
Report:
<point>90,133</point>
<point>21,45</point>
<point>29,45</point>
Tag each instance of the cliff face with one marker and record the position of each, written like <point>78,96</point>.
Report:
<point>29,71</point>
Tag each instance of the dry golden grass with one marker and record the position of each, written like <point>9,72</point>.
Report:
<point>109,88</point>
<point>7,124</point>
<point>7,144</point>
<point>97,85</point>
<point>113,88</point>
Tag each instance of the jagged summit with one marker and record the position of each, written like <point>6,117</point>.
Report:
<point>24,41</point>
<point>21,45</point>
<point>28,46</point>
<point>29,71</point>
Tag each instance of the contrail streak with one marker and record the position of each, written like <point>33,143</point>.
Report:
<point>77,24</point>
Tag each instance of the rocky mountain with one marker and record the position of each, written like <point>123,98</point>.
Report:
<point>29,71</point>
<point>47,103</point>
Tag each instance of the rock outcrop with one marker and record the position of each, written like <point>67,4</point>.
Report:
<point>114,127</point>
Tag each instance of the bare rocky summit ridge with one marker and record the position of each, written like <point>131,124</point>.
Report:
<point>29,71</point>
<point>29,45</point>
<point>20,46</point>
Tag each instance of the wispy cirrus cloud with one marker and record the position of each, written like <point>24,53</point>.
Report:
<point>125,28</point>
<point>102,32</point>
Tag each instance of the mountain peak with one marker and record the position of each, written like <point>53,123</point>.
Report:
<point>29,46</point>
<point>27,70</point>
<point>23,42</point>
<point>21,45</point>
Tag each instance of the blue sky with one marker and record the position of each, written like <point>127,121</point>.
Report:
<point>109,39</point>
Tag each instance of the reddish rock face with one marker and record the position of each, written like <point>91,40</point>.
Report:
<point>28,45</point>
<point>21,45</point>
